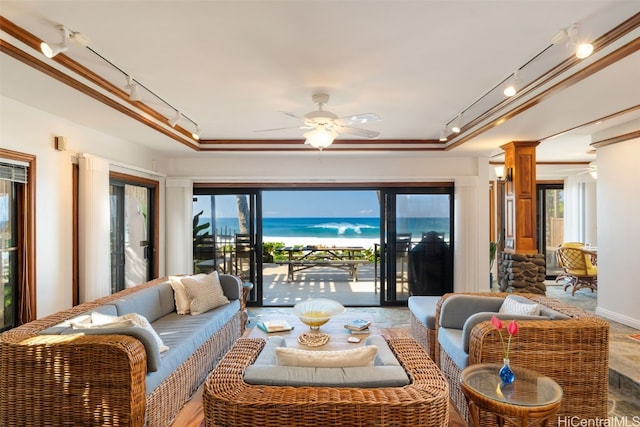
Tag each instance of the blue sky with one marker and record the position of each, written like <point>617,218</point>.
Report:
<point>325,204</point>
<point>301,204</point>
<point>328,204</point>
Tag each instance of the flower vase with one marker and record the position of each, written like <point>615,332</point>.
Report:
<point>506,374</point>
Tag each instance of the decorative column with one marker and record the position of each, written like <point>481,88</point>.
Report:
<point>522,267</point>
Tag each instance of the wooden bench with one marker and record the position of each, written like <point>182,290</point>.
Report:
<point>350,265</point>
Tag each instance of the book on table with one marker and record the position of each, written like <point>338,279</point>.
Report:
<point>276,325</point>
<point>358,325</point>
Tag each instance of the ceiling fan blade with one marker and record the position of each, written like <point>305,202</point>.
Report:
<point>363,133</point>
<point>292,115</point>
<point>357,119</point>
<point>269,130</point>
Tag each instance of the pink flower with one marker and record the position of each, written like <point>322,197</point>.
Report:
<point>512,329</point>
<point>497,323</point>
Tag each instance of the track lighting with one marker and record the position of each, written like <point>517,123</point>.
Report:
<point>443,134</point>
<point>174,121</point>
<point>457,124</point>
<point>134,89</point>
<point>512,89</point>
<point>52,50</point>
<point>571,35</point>
<point>196,134</point>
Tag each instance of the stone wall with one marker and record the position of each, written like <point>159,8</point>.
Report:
<point>522,273</point>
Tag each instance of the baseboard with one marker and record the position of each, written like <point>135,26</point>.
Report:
<point>617,317</point>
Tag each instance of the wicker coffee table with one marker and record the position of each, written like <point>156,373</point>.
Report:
<point>229,401</point>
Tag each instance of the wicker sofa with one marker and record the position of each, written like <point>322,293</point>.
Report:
<point>52,376</point>
<point>230,401</point>
<point>571,347</point>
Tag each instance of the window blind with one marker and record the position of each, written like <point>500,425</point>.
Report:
<point>13,172</point>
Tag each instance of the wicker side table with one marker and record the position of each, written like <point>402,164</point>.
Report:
<point>530,396</point>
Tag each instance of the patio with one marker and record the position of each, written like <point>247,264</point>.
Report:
<point>324,282</point>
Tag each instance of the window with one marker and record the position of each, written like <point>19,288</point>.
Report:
<point>16,239</point>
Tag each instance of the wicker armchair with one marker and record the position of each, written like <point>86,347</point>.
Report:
<point>578,268</point>
<point>574,352</point>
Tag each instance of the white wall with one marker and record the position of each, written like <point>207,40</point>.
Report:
<point>470,175</point>
<point>619,232</point>
<point>32,131</point>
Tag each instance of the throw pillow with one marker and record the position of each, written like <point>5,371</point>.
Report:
<point>512,305</point>
<point>183,304</point>
<point>357,357</point>
<point>204,293</point>
<point>135,319</point>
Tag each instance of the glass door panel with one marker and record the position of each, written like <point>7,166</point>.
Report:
<point>418,244</point>
<point>551,225</point>
<point>225,234</point>
<point>131,235</point>
<point>8,255</point>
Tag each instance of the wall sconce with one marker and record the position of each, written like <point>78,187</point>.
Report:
<point>504,173</point>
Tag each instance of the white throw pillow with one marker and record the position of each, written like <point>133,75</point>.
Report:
<point>134,319</point>
<point>356,357</point>
<point>204,293</point>
<point>511,305</point>
<point>183,304</point>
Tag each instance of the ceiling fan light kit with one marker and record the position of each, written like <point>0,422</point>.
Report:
<point>324,126</point>
<point>320,137</point>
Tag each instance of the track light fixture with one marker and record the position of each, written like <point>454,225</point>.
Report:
<point>512,89</point>
<point>133,86</point>
<point>50,50</point>
<point>572,37</point>
<point>134,89</point>
<point>457,124</point>
<point>175,119</point>
<point>443,134</point>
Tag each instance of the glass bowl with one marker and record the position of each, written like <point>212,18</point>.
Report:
<point>316,312</point>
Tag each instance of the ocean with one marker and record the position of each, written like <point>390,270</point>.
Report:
<point>331,228</point>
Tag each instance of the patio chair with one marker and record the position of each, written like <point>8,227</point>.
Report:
<point>578,268</point>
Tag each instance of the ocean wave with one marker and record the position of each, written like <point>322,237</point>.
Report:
<point>343,227</point>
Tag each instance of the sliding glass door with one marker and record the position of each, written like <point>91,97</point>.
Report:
<point>132,234</point>
<point>417,250</point>
<point>550,224</point>
<point>225,233</point>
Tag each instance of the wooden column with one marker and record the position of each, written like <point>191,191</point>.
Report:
<point>520,197</point>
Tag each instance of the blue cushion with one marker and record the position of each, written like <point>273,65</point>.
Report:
<point>424,309</point>
<point>152,303</point>
<point>144,336</point>
<point>451,342</point>
<point>184,334</point>
<point>456,309</point>
<point>387,371</point>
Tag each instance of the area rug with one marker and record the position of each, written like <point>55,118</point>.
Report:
<point>635,337</point>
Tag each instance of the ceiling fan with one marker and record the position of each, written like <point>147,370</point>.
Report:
<point>324,126</point>
<point>591,168</point>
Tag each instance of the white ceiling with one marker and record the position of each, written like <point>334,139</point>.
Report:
<point>235,66</point>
